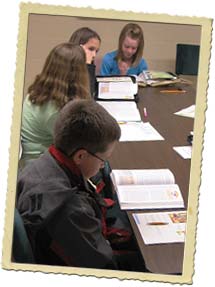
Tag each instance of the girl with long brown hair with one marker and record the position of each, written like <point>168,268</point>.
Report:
<point>64,77</point>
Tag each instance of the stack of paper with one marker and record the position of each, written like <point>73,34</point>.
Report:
<point>158,75</point>
<point>157,78</point>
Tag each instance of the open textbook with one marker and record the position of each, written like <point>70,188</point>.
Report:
<point>158,78</point>
<point>161,227</point>
<point>116,87</point>
<point>146,189</point>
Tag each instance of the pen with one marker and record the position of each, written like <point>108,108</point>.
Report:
<point>179,91</point>
<point>157,223</point>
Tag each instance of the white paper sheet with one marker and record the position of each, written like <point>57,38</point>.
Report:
<point>139,131</point>
<point>184,151</point>
<point>122,111</point>
<point>187,112</point>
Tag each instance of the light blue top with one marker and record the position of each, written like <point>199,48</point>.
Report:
<point>109,66</point>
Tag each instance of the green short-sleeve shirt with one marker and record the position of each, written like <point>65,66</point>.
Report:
<point>37,127</point>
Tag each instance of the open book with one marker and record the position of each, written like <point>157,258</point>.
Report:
<point>158,78</point>
<point>146,189</point>
<point>116,87</point>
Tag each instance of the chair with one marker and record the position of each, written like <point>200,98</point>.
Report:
<point>21,250</point>
<point>187,59</point>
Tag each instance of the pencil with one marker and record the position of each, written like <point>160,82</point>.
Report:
<point>157,223</point>
<point>173,91</point>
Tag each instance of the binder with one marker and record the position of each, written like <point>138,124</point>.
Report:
<point>116,88</point>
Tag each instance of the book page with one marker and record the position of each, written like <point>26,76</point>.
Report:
<point>142,176</point>
<point>117,90</point>
<point>149,196</point>
<point>162,227</point>
<point>139,131</point>
<point>122,111</point>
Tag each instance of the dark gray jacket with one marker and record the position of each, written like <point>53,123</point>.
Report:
<point>62,215</point>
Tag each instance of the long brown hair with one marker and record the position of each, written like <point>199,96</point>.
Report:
<point>83,35</point>
<point>134,31</point>
<point>63,77</point>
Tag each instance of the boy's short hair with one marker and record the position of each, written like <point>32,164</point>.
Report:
<point>85,124</point>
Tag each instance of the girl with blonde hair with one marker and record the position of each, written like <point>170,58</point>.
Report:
<point>127,60</point>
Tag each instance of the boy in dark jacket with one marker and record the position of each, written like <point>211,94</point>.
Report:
<point>61,209</point>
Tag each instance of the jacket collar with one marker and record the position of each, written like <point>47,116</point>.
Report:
<point>71,168</point>
<point>69,165</point>
<point>64,160</point>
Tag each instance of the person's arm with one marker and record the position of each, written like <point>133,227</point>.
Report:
<point>78,232</point>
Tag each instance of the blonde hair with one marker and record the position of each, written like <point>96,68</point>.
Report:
<point>134,31</point>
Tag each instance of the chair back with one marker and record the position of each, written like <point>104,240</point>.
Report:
<point>22,251</point>
<point>187,59</point>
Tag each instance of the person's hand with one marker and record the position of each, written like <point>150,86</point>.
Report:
<point>90,54</point>
<point>89,57</point>
<point>123,67</point>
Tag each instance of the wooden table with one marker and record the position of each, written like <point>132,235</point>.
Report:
<point>160,258</point>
